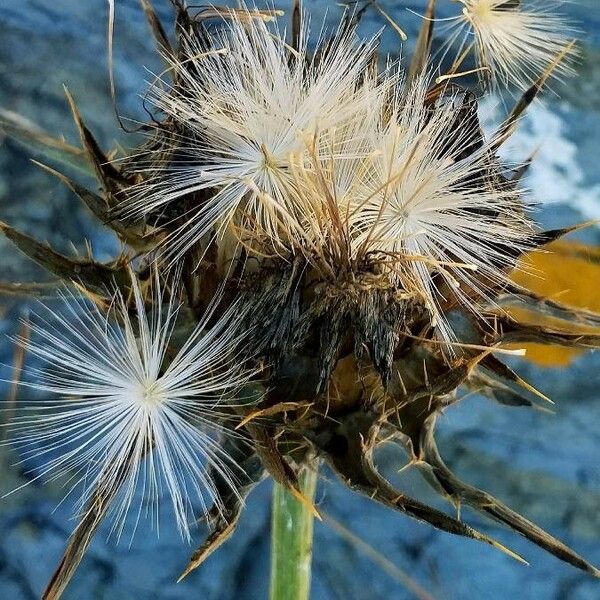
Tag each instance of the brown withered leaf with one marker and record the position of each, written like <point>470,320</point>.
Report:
<point>242,14</point>
<point>81,538</point>
<point>222,532</point>
<point>9,288</point>
<point>296,24</point>
<point>490,386</point>
<point>275,463</point>
<point>506,373</point>
<point>225,516</point>
<point>509,330</point>
<point>76,548</point>
<point>546,308</point>
<point>18,361</point>
<point>507,128</point>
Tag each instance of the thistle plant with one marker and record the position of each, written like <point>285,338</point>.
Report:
<point>317,257</point>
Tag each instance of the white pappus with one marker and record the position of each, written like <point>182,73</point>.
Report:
<point>134,413</point>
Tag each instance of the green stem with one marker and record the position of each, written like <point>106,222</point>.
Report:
<point>291,540</point>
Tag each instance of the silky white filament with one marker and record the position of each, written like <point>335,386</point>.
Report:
<point>133,411</point>
<point>515,41</point>
<point>419,188</point>
<point>239,117</point>
<point>316,153</point>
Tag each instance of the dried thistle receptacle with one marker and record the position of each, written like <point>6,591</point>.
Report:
<point>339,241</point>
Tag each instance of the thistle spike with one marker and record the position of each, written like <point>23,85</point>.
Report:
<point>138,236</point>
<point>109,176</point>
<point>487,504</point>
<point>162,41</point>
<point>420,57</point>
<point>92,275</point>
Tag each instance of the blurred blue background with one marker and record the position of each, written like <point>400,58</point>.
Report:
<point>545,466</point>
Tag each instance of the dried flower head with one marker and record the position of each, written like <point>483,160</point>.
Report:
<point>515,40</point>
<point>352,224</point>
<point>329,175</point>
<point>134,412</point>
<point>437,204</point>
<point>417,191</point>
<point>241,100</point>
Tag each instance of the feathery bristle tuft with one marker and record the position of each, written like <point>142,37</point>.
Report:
<point>247,96</point>
<point>128,407</point>
<point>437,199</point>
<point>417,192</point>
<point>514,41</point>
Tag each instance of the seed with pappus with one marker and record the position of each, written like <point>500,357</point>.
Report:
<point>515,40</point>
<point>133,412</point>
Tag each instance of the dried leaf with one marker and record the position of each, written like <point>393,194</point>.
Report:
<point>481,382</point>
<point>509,330</point>
<point>389,19</point>
<point>18,361</point>
<point>546,308</point>
<point>507,374</point>
<point>26,289</point>
<point>226,516</point>
<point>90,274</point>
<point>353,461</point>
<point>86,529</point>
<point>275,463</point>
<point>219,536</point>
<point>76,548</point>
<point>296,24</point>
<point>269,411</point>
<point>242,14</point>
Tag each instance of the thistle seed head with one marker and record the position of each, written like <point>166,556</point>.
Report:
<point>133,411</point>
<point>335,227</point>
<point>514,40</point>
<point>241,99</point>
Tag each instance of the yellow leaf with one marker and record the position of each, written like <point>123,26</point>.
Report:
<point>567,272</point>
